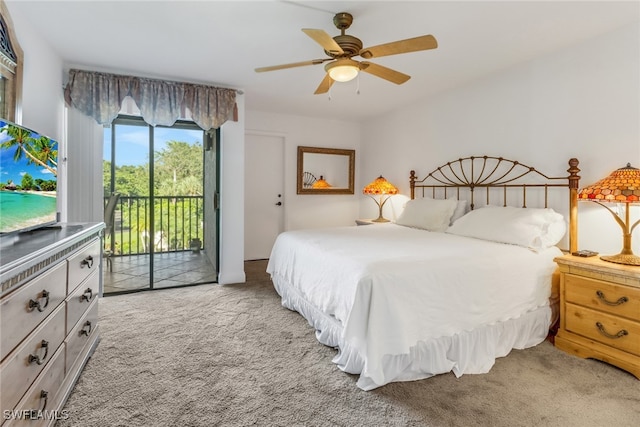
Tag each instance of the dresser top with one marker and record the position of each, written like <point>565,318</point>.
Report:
<point>595,264</point>
<point>32,252</point>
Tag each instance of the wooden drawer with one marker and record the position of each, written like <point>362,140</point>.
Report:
<point>80,300</point>
<point>83,263</point>
<point>81,334</point>
<point>617,332</point>
<point>23,365</point>
<point>48,381</point>
<point>612,298</point>
<point>22,310</point>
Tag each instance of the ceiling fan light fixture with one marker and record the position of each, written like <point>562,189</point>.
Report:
<point>342,48</point>
<point>342,70</point>
<point>343,73</point>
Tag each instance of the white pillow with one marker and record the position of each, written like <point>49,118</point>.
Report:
<point>461,209</point>
<point>427,214</point>
<point>529,227</point>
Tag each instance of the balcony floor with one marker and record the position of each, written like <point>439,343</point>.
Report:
<point>170,269</point>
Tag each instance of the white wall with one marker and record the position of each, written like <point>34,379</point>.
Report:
<point>231,268</point>
<point>85,200</point>
<point>581,102</point>
<point>42,104</point>
<point>42,98</point>
<point>44,111</point>
<point>311,210</point>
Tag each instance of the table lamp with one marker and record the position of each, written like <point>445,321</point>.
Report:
<point>621,186</point>
<point>383,189</point>
<point>321,183</point>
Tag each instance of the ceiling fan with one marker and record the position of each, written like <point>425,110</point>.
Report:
<point>341,49</point>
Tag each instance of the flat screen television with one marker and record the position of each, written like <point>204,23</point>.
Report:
<point>28,179</point>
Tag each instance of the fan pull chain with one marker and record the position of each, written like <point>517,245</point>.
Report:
<point>358,84</point>
<point>329,93</point>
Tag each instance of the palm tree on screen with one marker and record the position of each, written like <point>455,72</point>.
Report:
<point>37,150</point>
<point>45,151</point>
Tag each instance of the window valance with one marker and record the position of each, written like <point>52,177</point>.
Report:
<point>100,95</point>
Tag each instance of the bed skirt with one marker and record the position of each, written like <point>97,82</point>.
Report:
<point>468,352</point>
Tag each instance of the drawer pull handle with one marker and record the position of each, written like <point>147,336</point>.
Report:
<point>84,331</point>
<point>85,297</point>
<point>44,395</point>
<point>88,261</point>
<point>602,298</point>
<point>620,334</point>
<point>36,304</point>
<point>44,344</point>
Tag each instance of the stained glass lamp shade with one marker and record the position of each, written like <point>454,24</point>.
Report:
<point>621,186</point>
<point>380,190</point>
<point>321,183</point>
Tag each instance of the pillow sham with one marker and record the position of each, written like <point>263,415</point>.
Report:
<point>533,228</point>
<point>427,214</point>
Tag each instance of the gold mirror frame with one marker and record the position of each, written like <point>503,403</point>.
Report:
<point>304,187</point>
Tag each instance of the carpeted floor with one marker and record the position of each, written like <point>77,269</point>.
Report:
<point>215,355</point>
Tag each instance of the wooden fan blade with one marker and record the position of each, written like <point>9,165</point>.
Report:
<point>383,72</point>
<point>325,85</point>
<point>325,40</point>
<point>292,65</point>
<point>401,46</point>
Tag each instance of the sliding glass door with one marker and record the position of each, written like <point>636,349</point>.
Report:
<point>164,232</point>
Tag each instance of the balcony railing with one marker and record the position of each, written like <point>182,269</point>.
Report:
<point>178,225</point>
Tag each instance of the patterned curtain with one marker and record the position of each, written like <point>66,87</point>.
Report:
<point>100,95</point>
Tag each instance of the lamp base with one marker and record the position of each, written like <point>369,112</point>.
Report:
<point>627,259</point>
<point>380,219</point>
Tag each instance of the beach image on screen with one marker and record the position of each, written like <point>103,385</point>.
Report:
<point>28,178</point>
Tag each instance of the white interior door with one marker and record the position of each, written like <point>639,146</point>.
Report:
<point>263,194</point>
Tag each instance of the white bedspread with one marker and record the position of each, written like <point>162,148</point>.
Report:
<point>390,288</point>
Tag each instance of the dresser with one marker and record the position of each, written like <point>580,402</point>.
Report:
<point>600,311</point>
<point>51,280</point>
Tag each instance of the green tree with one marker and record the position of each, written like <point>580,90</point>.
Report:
<point>49,185</point>
<point>44,151</point>
<point>132,180</point>
<point>27,182</point>
<point>178,169</point>
<point>106,177</point>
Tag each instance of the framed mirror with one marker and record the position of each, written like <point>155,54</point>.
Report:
<point>325,170</point>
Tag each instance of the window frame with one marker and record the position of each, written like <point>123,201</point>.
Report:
<point>10,69</point>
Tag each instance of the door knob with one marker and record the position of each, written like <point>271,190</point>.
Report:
<point>279,204</point>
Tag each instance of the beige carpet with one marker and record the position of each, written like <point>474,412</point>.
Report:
<point>233,356</point>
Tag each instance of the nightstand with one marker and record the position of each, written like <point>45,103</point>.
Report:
<point>600,311</point>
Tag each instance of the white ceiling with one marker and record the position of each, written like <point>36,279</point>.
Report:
<point>221,42</point>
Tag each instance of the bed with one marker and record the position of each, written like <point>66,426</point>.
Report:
<point>465,274</point>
